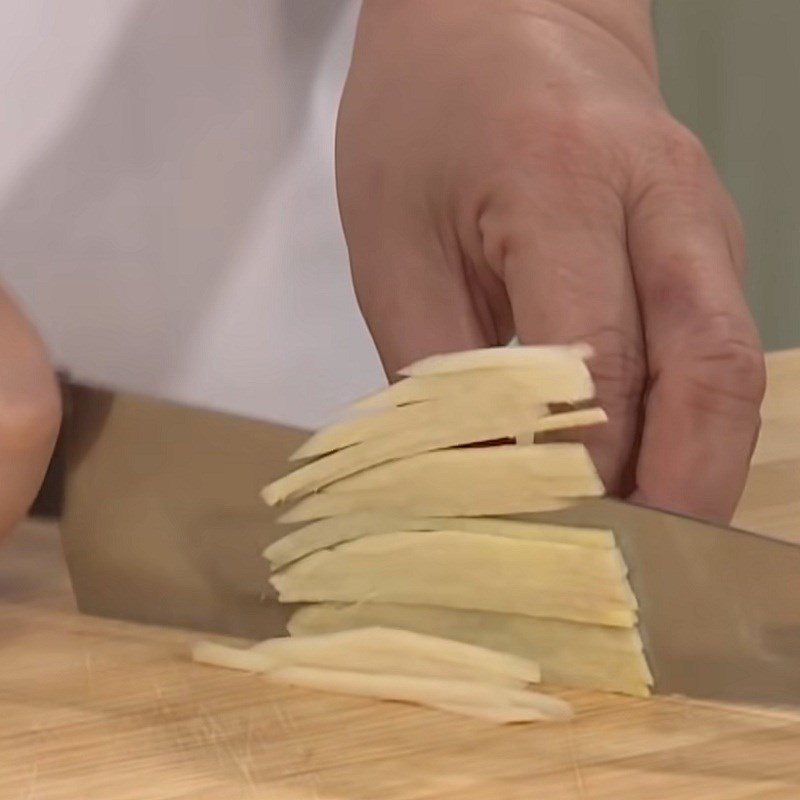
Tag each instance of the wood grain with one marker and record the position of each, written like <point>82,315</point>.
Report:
<point>95,709</point>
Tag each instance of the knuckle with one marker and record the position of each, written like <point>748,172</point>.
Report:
<point>564,137</point>
<point>728,371</point>
<point>681,143</point>
<point>673,283</point>
<point>673,149</point>
<point>682,151</point>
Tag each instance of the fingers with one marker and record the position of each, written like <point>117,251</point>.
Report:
<point>30,413</point>
<point>561,251</point>
<point>705,362</point>
<point>409,277</point>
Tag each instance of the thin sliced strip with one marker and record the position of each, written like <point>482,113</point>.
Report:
<point>499,631</point>
<point>222,655</point>
<point>357,429</point>
<point>586,485</point>
<point>521,529</point>
<point>381,564</point>
<point>506,479</point>
<point>561,382</point>
<point>469,415</point>
<point>569,653</point>
<point>458,422</point>
<point>322,505</point>
<point>499,715</point>
<point>406,442</point>
<point>447,427</point>
<point>273,654</point>
<point>384,649</point>
<point>332,531</point>
<point>376,649</point>
<point>493,700</point>
<point>494,573</point>
<point>580,418</point>
<point>426,691</point>
<point>530,356</point>
<point>540,462</point>
<point>360,443</point>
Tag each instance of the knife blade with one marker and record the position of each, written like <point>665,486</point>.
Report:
<point>719,608</point>
<point>162,520</point>
<point>163,524</point>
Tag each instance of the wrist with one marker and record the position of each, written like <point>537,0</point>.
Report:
<point>629,21</point>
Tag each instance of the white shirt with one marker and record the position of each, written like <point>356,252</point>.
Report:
<point>167,203</point>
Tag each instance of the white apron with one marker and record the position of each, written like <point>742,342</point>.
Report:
<point>167,202</point>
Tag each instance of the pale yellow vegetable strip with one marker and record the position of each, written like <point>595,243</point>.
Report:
<point>221,655</point>
<point>444,427</point>
<point>332,531</point>
<point>573,560</point>
<point>540,462</point>
<point>322,505</point>
<point>405,431</point>
<point>502,632</point>
<point>523,529</point>
<point>376,649</point>
<point>561,382</point>
<point>530,356</point>
<point>433,692</point>
<point>466,414</point>
<point>499,715</point>
<point>569,653</point>
<point>586,485</point>
<point>406,442</point>
<point>335,530</point>
<point>456,423</point>
<point>507,479</point>
<point>351,431</point>
<point>580,418</point>
<point>484,700</point>
<point>464,570</point>
<point>417,438</point>
<point>384,649</point>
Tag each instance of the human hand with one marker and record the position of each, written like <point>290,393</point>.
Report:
<point>510,166</point>
<point>30,414</point>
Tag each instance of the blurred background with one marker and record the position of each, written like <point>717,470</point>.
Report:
<point>730,70</point>
<point>167,206</point>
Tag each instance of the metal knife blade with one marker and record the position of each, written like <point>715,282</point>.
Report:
<point>162,520</point>
<point>719,607</point>
<point>162,523</point>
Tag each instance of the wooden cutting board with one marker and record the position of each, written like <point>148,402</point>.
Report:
<point>94,709</point>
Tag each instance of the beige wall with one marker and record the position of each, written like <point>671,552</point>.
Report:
<point>731,71</point>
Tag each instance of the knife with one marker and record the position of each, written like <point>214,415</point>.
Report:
<point>162,523</point>
<point>719,608</point>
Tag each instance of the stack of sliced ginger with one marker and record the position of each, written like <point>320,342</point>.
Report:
<point>425,577</point>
